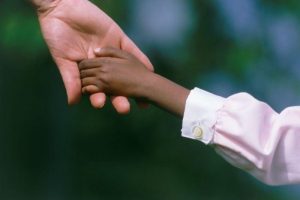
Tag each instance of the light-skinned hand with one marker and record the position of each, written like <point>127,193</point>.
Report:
<point>72,30</point>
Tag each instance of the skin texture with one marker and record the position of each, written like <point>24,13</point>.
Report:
<point>72,29</point>
<point>43,4</point>
<point>117,72</point>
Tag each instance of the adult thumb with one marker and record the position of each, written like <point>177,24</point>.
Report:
<point>128,45</point>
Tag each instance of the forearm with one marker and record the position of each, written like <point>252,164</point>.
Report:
<point>166,94</point>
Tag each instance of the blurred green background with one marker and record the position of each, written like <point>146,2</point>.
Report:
<point>49,150</point>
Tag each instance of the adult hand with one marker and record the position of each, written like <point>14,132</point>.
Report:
<point>72,30</point>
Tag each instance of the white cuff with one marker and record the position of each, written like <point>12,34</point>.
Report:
<point>200,115</point>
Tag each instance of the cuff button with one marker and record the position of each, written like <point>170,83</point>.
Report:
<point>198,132</point>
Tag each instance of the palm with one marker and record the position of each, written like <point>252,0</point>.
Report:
<point>72,30</point>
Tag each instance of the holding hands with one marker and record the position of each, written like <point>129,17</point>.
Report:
<point>116,72</point>
<point>72,30</point>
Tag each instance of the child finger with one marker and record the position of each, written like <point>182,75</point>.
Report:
<point>89,63</point>
<point>88,73</point>
<point>96,62</point>
<point>88,81</point>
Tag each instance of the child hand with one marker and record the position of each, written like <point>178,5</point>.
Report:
<point>114,72</point>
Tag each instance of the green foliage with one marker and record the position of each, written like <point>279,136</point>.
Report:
<point>49,150</point>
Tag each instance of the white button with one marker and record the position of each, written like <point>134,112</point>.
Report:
<point>198,132</point>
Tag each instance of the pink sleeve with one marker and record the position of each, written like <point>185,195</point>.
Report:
<point>248,134</point>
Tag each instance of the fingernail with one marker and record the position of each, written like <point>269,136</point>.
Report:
<point>97,50</point>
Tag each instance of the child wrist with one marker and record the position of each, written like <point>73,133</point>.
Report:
<point>148,86</point>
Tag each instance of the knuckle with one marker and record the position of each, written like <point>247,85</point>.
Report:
<point>82,74</point>
<point>109,48</point>
<point>105,61</point>
<point>105,69</point>
<point>106,78</point>
<point>82,64</point>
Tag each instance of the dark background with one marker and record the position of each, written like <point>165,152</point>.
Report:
<point>49,150</point>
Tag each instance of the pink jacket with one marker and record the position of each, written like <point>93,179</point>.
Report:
<point>247,133</point>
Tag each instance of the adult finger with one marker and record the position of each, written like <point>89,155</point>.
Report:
<point>111,52</point>
<point>128,45</point>
<point>98,100</point>
<point>121,104</point>
<point>90,89</point>
<point>71,78</point>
